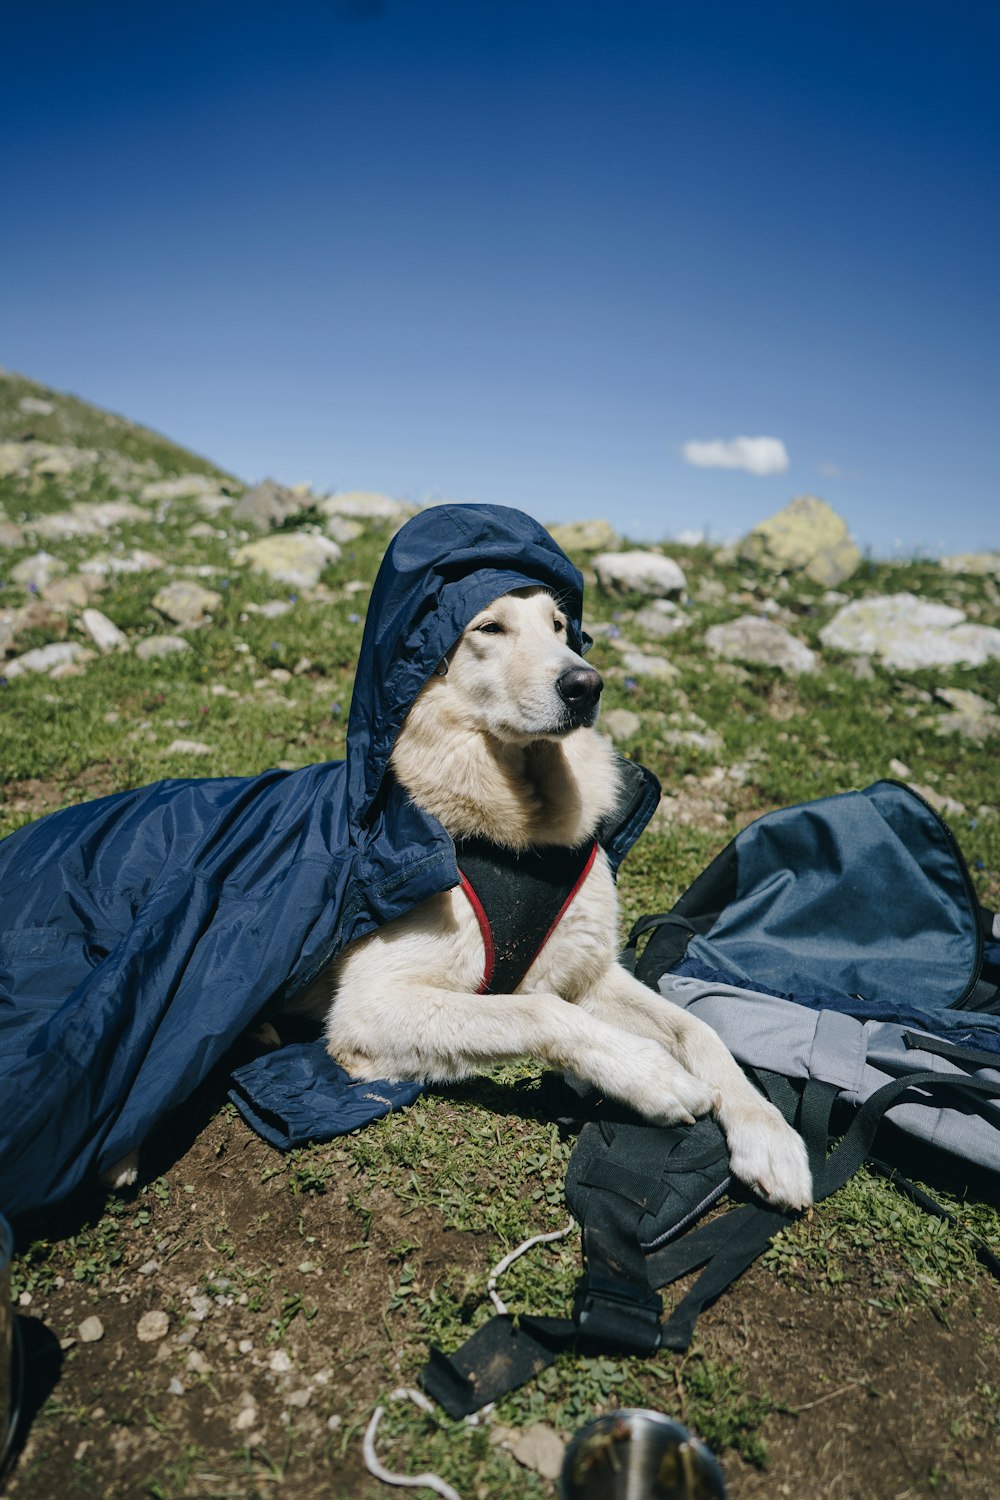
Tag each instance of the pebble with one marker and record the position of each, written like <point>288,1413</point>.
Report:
<point>90,1330</point>
<point>152,1326</point>
<point>280,1362</point>
<point>245,1418</point>
<point>299,1398</point>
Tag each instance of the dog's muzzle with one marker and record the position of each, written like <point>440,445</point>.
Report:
<point>580,689</point>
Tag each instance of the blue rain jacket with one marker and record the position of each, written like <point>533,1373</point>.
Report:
<point>140,934</point>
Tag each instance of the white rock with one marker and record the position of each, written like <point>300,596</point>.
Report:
<point>294,557</point>
<point>152,1326</point>
<point>186,487</point>
<point>37,570</point>
<point>280,1362</point>
<point>90,1330</point>
<point>621,723</point>
<point>753,639</point>
<point>187,604</point>
<point>641,571</point>
<point>45,658</point>
<point>86,519</point>
<point>245,1419</point>
<point>135,561</point>
<point>640,664</point>
<point>103,632</point>
<point>363,505</point>
<point>156,646</point>
<point>299,1398</point>
<point>189,747</point>
<point>661,618</point>
<point>35,406</point>
<point>909,633</point>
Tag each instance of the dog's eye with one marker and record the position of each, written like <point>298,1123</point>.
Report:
<point>490,627</point>
<point>557,626</point>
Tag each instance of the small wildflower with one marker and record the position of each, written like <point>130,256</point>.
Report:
<point>335,710</point>
<point>223,583</point>
<point>353,619</point>
<point>631,684</point>
<point>293,598</point>
<point>613,633</point>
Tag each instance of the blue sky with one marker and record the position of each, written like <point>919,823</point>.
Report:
<point>525,251</point>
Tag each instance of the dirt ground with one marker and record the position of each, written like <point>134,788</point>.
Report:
<point>278,1313</point>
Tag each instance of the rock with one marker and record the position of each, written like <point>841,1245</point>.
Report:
<point>702,738</point>
<point>46,658</point>
<point>53,462</point>
<point>621,723</point>
<point>85,519</point>
<point>75,591</point>
<point>10,535</point>
<point>909,633</point>
<point>103,632</point>
<point>661,618</point>
<point>977,563</point>
<point>36,406</point>
<point>641,572</point>
<point>900,770</point>
<point>299,1398</point>
<point>940,801</point>
<point>186,603</point>
<point>184,487</point>
<point>586,536</point>
<point>156,646</point>
<point>295,557</point>
<point>639,664</point>
<point>537,1447</point>
<point>975,717</point>
<point>806,536</point>
<point>271,609</point>
<point>38,570</point>
<point>343,529</point>
<point>152,1327</point>
<point>189,747</point>
<point>245,1419</point>
<point>363,505</point>
<point>14,459</point>
<point>135,561</point>
<point>268,504</point>
<point>280,1362</point>
<point>90,1330</point>
<point>753,639</point>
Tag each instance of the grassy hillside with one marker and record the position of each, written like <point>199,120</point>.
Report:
<point>857,1359</point>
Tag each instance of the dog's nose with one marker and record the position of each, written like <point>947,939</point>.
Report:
<point>580,687</point>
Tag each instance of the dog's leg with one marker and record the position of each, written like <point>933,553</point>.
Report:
<point>764,1151</point>
<point>458,1034</point>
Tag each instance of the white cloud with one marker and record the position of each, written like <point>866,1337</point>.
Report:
<point>757,455</point>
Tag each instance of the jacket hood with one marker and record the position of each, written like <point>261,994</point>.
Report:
<point>441,569</point>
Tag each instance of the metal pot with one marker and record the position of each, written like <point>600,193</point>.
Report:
<point>639,1455</point>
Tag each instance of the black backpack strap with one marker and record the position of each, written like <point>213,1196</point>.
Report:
<point>617,1308</point>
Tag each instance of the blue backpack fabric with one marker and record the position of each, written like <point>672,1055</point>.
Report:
<point>860,903</point>
<point>140,934</point>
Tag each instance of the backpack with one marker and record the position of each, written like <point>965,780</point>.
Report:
<point>839,950</point>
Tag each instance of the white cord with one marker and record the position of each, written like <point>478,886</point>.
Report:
<point>405,1393</point>
<point>508,1260</point>
<point>410,1481</point>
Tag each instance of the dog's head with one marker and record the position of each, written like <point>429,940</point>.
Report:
<point>513,674</point>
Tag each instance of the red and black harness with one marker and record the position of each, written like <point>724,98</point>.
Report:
<point>519,897</point>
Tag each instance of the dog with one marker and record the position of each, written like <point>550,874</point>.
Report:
<point>500,745</point>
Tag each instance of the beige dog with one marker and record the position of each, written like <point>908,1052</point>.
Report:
<point>500,745</point>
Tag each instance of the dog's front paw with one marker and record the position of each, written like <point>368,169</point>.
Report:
<point>663,1092</point>
<point>770,1157</point>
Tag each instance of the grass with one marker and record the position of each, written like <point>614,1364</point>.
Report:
<point>262,691</point>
